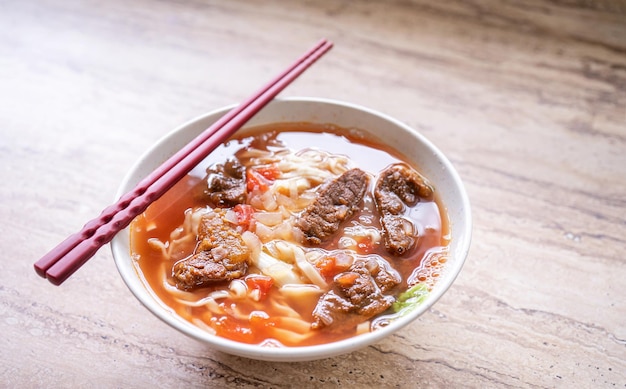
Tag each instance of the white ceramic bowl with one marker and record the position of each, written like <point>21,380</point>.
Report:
<point>431,162</point>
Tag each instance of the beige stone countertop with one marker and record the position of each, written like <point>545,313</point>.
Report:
<point>526,98</point>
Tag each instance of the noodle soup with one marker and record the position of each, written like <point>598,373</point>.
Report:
<point>297,234</point>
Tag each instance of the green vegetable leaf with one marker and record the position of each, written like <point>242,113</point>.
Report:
<point>410,299</point>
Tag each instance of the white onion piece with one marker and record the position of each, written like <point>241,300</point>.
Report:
<point>255,294</point>
<point>283,231</point>
<point>285,202</point>
<point>231,216</point>
<point>264,232</point>
<point>363,328</point>
<point>268,201</point>
<point>269,218</point>
<point>238,289</point>
<point>253,243</point>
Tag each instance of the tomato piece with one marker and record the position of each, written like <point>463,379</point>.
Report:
<point>251,331</point>
<point>346,279</point>
<point>261,283</point>
<point>330,266</point>
<point>327,267</point>
<point>270,172</point>
<point>245,215</point>
<point>231,328</point>
<point>254,180</point>
<point>261,177</point>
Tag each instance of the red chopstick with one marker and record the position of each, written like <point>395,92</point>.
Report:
<point>67,257</point>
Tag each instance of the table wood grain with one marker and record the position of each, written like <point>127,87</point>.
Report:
<point>527,99</point>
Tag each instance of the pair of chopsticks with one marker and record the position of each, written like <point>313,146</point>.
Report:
<point>67,257</point>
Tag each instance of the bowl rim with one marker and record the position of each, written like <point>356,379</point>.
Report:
<point>138,286</point>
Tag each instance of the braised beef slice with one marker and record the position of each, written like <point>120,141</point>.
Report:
<point>402,183</point>
<point>221,255</point>
<point>398,186</point>
<point>357,299</point>
<point>384,275</point>
<point>399,235</point>
<point>336,202</point>
<point>226,184</point>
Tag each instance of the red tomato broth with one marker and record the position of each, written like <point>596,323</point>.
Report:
<point>167,214</point>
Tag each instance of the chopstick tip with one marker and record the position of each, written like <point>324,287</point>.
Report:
<point>40,271</point>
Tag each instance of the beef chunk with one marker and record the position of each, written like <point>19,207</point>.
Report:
<point>338,201</point>
<point>204,268</point>
<point>384,275</point>
<point>399,234</point>
<point>357,295</point>
<point>226,184</point>
<point>221,255</point>
<point>399,186</point>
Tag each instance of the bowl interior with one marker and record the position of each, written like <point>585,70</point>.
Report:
<point>418,150</point>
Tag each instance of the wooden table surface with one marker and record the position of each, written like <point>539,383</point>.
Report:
<point>527,99</point>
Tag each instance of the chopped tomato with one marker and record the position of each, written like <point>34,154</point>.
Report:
<point>270,172</point>
<point>261,177</point>
<point>346,279</point>
<point>261,283</point>
<point>252,330</point>
<point>330,266</point>
<point>231,328</point>
<point>245,215</point>
<point>327,267</point>
<point>254,180</point>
